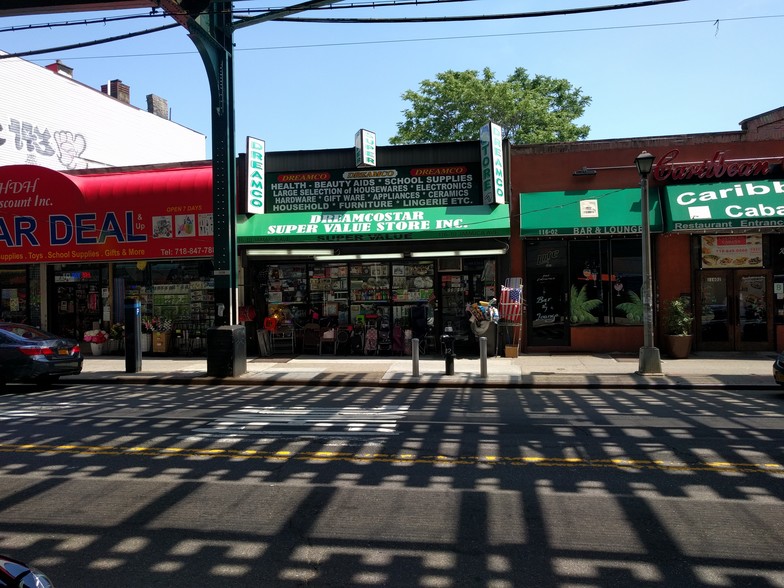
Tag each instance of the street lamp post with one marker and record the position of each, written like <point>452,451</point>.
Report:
<point>650,360</point>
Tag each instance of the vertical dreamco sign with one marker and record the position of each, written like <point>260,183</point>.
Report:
<point>491,145</point>
<point>365,148</point>
<point>255,178</point>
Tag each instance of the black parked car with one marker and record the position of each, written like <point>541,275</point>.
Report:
<point>28,354</point>
<point>15,574</point>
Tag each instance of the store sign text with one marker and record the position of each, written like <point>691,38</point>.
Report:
<point>492,152</point>
<point>717,167</point>
<point>255,178</point>
<point>373,189</point>
<point>736,190</point>
<point>747,204</point>
<point>353,223</point>
<point>43,219</point>
<point>82,229</point>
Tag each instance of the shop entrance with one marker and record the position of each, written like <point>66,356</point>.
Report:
<point>75,300</point>
<point>733,312</point>
<point>549,307</point>
<point>457,291</point>
<point>473,281</point>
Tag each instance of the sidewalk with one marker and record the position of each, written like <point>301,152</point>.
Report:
<point>703,370</point>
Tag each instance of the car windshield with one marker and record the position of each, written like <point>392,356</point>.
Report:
<point>26,331</point>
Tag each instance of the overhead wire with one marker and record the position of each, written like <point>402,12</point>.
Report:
<point>474,18</point>
<point>711,21</point>
<point>538,14</point>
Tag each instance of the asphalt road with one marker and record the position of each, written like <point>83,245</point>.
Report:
<point>132,485</point>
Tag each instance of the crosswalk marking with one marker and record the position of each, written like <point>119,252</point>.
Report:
<point>307,421</point>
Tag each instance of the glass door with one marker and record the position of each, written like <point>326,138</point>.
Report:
<point>549,310</point>
<point>755,324</point>
<point>77,304</point>
<point>455,295</point>
<point>734,311</point>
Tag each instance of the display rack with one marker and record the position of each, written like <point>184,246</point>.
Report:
<point>510,313</point>
<point>172,301</point>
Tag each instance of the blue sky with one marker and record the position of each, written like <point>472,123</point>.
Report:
<point>689,67</point>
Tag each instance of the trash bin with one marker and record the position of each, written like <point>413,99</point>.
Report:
<point>489,330</point>
<point>448,345</point>
<point>226,351</point>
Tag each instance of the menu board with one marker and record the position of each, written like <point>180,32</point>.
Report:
<point>729,251</point>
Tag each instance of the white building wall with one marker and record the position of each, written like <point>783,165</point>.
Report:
<point>50,120</point>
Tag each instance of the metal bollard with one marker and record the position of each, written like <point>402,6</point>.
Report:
<point>415,357</point>
<point>483,356</point>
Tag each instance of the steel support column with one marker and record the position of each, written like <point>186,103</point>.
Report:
<point>211,32</point>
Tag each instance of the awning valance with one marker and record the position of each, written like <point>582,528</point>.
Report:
<point>588,212</point>
<point>739,205</point>
<point>376,226</point>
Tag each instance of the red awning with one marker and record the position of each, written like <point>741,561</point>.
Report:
<point>170,183</point>
<point>51,216</point>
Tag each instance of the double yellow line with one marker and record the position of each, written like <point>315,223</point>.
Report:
<point>394,458</point>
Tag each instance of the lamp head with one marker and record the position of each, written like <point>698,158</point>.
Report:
<point>644,163</point>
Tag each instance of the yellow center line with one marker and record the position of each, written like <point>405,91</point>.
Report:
<point>401,458</point>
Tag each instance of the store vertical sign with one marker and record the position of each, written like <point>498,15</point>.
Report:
<point>255,177</point>
<point>491,146</point>
<point>365,148</point>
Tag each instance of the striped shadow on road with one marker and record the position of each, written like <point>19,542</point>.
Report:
<point>298,421</point>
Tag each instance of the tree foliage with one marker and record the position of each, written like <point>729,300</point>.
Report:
<point>455,105</point>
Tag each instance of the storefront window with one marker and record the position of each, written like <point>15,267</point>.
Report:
<point>329,292</point>
<point>588,300</point>
<point>80,294</point>
<point>604,283</point>
<point>14,303</point>
<point>177,291</point>
<point>626,281</point>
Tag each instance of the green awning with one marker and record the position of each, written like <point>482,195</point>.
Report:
<point>587,212</point>
<point>739,205</point>
<point>368,226</point>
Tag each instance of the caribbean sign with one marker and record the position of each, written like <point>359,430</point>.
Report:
<point>739,205</point>
<point>374,189</point>
<point>377,225</point>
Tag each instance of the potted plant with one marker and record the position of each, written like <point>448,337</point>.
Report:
<point>161,332</point>
<point>678,320</point>
<point>96,338</point>
<point>116,336</point>
<point>147,330</point>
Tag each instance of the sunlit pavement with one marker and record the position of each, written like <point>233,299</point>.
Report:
<point>732,370</point>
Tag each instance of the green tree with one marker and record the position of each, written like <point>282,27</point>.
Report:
<point>457,104</point>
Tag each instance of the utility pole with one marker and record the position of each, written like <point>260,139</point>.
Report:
<point>211,26</point>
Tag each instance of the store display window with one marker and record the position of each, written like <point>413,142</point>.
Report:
<point>14,301</point>
<point>329,292</point>
<point>346,293</point>
<point>80,295</point>
<point>603,277</point>
<point>175,291</point>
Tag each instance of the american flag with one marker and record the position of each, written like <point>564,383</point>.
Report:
<point>510,307</point>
